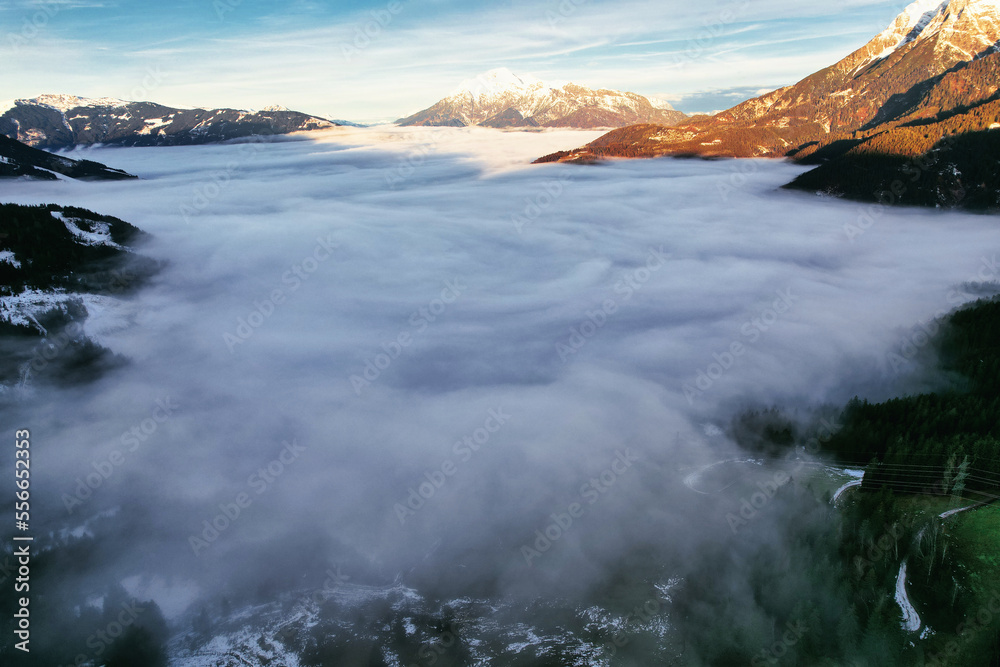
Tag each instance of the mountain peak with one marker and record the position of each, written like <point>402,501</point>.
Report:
<point>967,28</point>
<point>937,58</point>
<point>68,120</point>
<point>496,82</point>
<point>501,98</point>
<point>64,103</point>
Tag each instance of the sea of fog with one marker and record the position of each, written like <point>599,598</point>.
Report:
<point>410,353</point>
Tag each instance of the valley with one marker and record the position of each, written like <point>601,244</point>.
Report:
<point>714,388</point>
<point>452,582</point>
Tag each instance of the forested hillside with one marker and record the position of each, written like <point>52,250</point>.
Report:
<point>832,577</point>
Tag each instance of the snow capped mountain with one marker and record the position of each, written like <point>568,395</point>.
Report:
<point>497,82</point>
<point>501,98</point>
<point>64,103</point>
<point>961,29</point>
<point>937,57</point>
<point>63,121</point>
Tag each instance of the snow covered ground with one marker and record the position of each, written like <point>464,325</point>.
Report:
<point>21,309</point>
<point>951,513</point>
<point>96,233</point>
<point>272,634</point>
<point>7,257</point>
<point>911,619</point>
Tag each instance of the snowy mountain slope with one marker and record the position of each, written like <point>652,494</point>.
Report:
<point>54,260</point>
<point>353,624</point>
<point>63,121</point>
<point>500,98</point>
<point>19,160</point>
<point>966,29</point>
<point>935,57</point>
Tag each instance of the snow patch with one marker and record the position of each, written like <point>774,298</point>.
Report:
<point>919,14</point>
<point>98,234</point>
<point>911,619</point>
<point>495,82</point>
<point>951,513</point>
<point>8,257</point>
<point>83,530</point>
<point>21,308</point>
<point>154,124</point>
<point>661,104</point>
<point>909,25</point>
<point>501,90</point>
<point>64,103</point>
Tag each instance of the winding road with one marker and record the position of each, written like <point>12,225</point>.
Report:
<point>911,619</point>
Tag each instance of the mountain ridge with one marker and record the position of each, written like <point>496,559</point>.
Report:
<point>501,99</point>
<point>935,57</point>
<point>18,160</point>
<point>65,121</point>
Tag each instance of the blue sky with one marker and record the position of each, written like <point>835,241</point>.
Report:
<point>316,57</point>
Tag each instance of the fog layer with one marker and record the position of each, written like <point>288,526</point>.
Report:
<point>436,347</point>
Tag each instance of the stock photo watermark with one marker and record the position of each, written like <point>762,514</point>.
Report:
<point>590,493</point>
<point>565,10</point>
<point>463,450</point>
<point>975,623</point>
<point>259,483</point>
<point>224,7</point>
<point>752,506</point>
<point>292,280</point>
<point>368,32</point>
<point>419,322</point>
<point>904,354</point>
<point>32,26</point>
<point>712,30</point>
<point>208,191</point>
<point>772,655</point>
<point>130,441</point>
<point>751,331</point>
<point>911,172</point>
<point>596,319</point>
<point>408,164</point>
<point>537,205</point>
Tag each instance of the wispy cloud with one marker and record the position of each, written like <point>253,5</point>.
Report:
<point>35,5</point>
<point>362,64</point>
<point>646,304</point>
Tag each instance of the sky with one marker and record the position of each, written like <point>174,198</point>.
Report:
<point>381,60</point>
